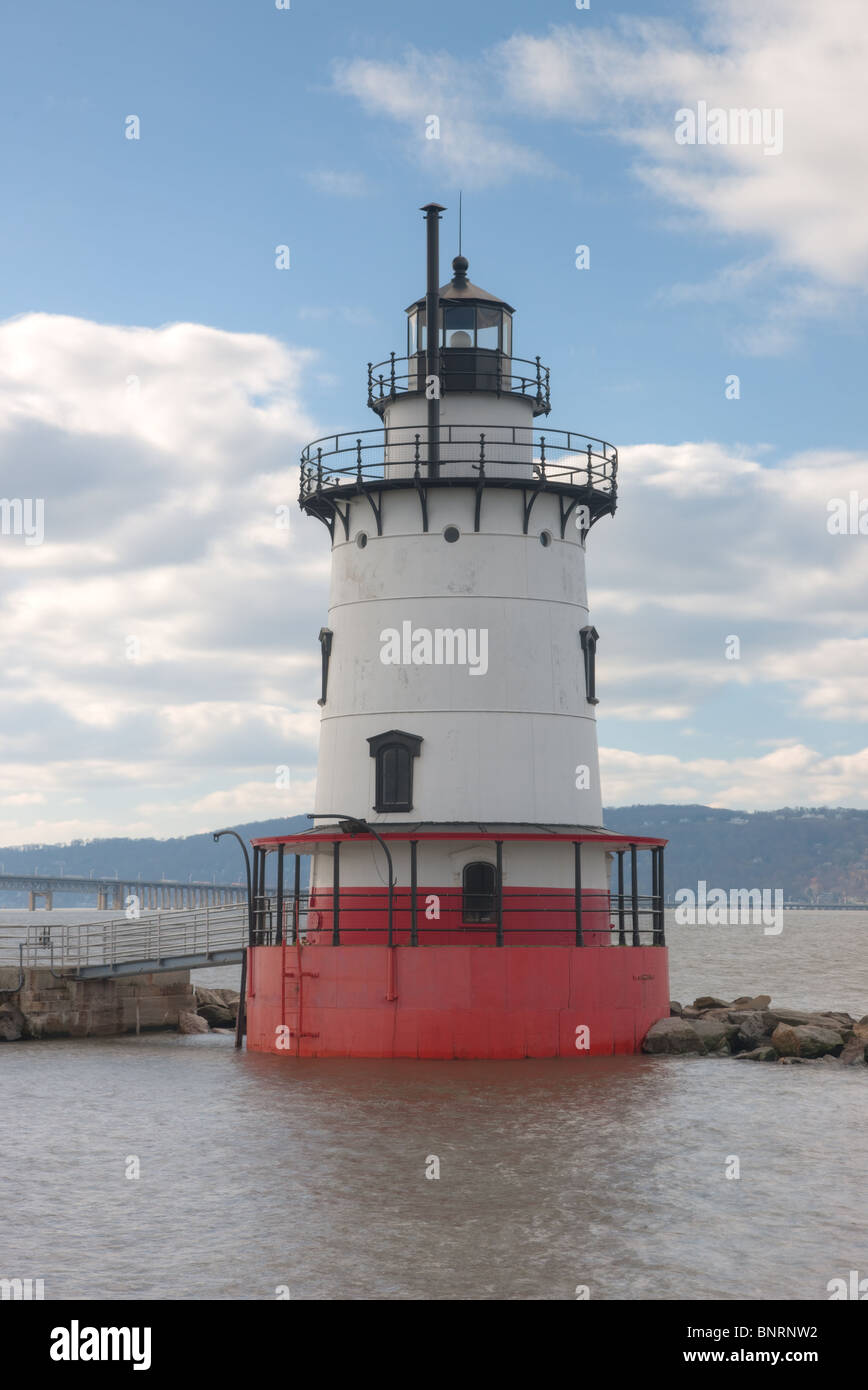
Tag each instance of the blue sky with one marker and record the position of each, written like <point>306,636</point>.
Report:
<point>305,127</point>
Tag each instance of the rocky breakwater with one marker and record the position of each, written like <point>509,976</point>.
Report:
<point>752,1031</point>
<point>216,1011</point>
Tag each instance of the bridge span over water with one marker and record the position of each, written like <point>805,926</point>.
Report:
<point>149,894</point>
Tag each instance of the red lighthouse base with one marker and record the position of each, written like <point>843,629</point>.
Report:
<point>454,1001</point>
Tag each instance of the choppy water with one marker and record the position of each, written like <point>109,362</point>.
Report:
<point>260,1171</point>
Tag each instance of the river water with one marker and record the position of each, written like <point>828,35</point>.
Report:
<point>259,1172</point>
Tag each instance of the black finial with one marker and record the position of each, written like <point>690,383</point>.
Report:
<point>460,266</point>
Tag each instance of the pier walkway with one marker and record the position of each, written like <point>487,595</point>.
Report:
<point>187,940</point>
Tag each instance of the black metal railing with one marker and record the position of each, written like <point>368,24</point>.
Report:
<point>461,369</point>
<point>356,917</point>
<point>520,454</point>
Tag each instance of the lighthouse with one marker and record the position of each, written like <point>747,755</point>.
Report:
<point>457,895</point>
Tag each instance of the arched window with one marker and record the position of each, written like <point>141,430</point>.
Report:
<point>479,886</point>
<point>394,753</point>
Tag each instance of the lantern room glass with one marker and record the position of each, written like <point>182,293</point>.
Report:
<point>463,326</point>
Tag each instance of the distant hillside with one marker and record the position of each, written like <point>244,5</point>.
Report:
<point>814,854</point>
<point>189,858</point>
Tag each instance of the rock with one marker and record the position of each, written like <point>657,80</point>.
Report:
<point>753,1028</point>
<point>760,1001</point>
<point>218,1015</point>
<point>856,1047</point>
<point>805,1040</point>
<point>708,1001</point>
<point>230,1031</point>
<point>690,1012</point>
<point>716,1033</point>
<point>674,1008</point>
<point>231,998</point>
<point>766,1053</point>
<point>11,1023</point>
<point>672,1036</point>
<point>192,1023</point>
<point>799,1061</point>
<point>208,996</point>
<point>784,1040</point>
<point>797,1017</point>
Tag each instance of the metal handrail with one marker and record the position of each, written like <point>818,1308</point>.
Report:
<point>72,946</point>
<point>562,457</point>
<point>400,375</point>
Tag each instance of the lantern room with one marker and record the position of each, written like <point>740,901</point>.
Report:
<point>474,349</point>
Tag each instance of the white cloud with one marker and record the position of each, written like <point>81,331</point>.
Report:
<point>463,96</point>
<point>163,529</point>
<point>339,183</point>
<point>808,205</point>
<point>794,775</point>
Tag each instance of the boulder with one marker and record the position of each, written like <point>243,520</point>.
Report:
<point>759,1001</point>
<point>690,1012</point>
<point>708,1001</point>
<point>672,1036</point>
<point>674,1008</point>
<point>208,996</point>
<point>231,998</point>
<point>218,1015</point>
<point>192,1023</point>
<point>753,1027</point>
<point>805,1040</point>
<point>856,1046</point>
<point>766,1053</point>
<point>798,1017</point>
<point>11,1023</point>
<point>716,1033</point>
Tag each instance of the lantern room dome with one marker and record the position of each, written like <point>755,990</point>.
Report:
<point>462,289</point>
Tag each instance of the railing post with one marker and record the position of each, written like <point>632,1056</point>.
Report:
<point>577,845</point>
<point>634,881</point>
<point>414,928</point>
<point>498,888</point>
<point>661,935</point>
<point>295,898</point>
<point>622,940</point>
<point>278,940</point>
<point>336,895</point>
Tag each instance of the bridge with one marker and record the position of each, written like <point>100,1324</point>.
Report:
<point>189,940</point>
<point>154,894</point>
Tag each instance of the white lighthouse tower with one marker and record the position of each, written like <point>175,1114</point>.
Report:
<point>458,790</point>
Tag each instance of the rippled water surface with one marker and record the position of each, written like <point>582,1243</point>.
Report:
<point>261,1171</point>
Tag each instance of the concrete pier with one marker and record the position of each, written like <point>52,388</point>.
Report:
<point>71,1008</point>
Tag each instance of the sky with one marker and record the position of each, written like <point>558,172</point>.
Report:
<point>159,373</point>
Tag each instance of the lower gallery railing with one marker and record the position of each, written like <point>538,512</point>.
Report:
<point>528,918</point>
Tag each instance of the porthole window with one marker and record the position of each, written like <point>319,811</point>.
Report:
<point>451,534</point>
<point>545,538</point>
<point>361,540</point>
